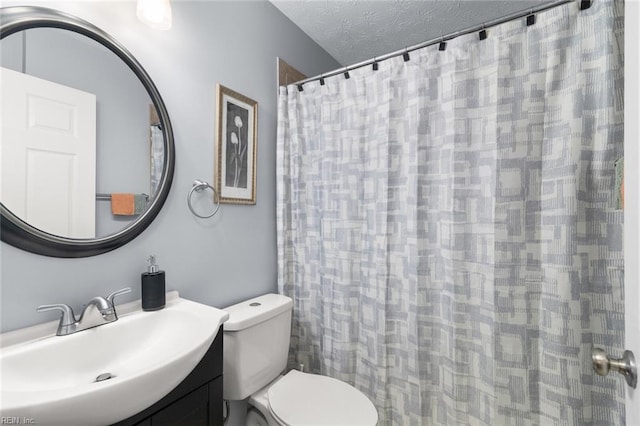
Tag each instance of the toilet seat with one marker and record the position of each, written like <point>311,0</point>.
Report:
<point>310,399</point>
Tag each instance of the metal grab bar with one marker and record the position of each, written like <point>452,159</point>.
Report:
<point>102,196</point>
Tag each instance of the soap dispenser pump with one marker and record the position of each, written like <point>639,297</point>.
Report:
<point>153,287</point>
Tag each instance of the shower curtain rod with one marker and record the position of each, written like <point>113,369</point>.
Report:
<point>584,4</point>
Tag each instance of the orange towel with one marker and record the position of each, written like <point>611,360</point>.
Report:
<point>122,204</point>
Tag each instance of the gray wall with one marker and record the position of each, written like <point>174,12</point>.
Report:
<point>218,261</point>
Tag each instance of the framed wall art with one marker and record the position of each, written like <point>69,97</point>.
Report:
<point>236,138</point>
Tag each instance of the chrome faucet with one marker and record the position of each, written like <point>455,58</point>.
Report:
<point>97,311</point>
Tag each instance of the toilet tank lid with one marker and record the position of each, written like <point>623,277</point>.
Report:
<point>254,311</point>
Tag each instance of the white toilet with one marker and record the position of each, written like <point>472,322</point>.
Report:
<point>256,346</point>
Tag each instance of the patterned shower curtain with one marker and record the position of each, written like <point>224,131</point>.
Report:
<point>447,226</point>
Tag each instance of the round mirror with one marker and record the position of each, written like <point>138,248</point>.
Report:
<point>86,145</point>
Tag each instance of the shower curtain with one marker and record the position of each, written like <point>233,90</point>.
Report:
<point>447,226</point>
<point>157,157</point>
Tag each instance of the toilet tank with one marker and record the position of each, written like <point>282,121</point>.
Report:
<point>256,344</point>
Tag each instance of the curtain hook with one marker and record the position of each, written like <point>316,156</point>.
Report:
<point>321,79</point>
<point>443,44</point>
<point>483,33</point>
<point>374,66</point>
<point>346,73</point>
<point>405,55</point>
<point>531,18</point>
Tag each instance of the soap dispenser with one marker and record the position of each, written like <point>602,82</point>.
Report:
<point>153,287</point>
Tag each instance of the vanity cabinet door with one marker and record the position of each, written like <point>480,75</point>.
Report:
<point>202,407</point>
<point>192,410</point>
<point>216,402</point>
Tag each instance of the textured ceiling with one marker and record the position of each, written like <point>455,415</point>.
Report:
<point>357,30</point>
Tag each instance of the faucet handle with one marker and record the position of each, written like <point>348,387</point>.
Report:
<point>68,318</point>
<point>117,293</point>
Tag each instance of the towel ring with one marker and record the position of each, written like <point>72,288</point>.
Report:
<point>199,186</point>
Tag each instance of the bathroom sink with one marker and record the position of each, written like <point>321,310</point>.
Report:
<point>49,379</point>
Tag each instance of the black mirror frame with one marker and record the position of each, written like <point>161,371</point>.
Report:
<point>20,234</point>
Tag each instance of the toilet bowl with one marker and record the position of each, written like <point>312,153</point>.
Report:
<point>256,343</point>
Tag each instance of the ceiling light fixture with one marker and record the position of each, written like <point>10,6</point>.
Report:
<point>155,13</point>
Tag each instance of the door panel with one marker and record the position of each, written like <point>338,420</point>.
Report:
<point>48,154</point>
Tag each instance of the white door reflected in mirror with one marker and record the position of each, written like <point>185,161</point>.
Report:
<point>48,154</point>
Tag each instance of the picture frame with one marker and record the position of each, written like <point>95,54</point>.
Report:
<point>236,147</point>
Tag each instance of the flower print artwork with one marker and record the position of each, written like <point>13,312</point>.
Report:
<point>236,158</point>
<point>236,147</point>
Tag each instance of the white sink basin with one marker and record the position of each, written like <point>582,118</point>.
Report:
<point>52,379</point>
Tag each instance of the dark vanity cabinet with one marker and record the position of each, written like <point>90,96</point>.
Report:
<point>196,401</point>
